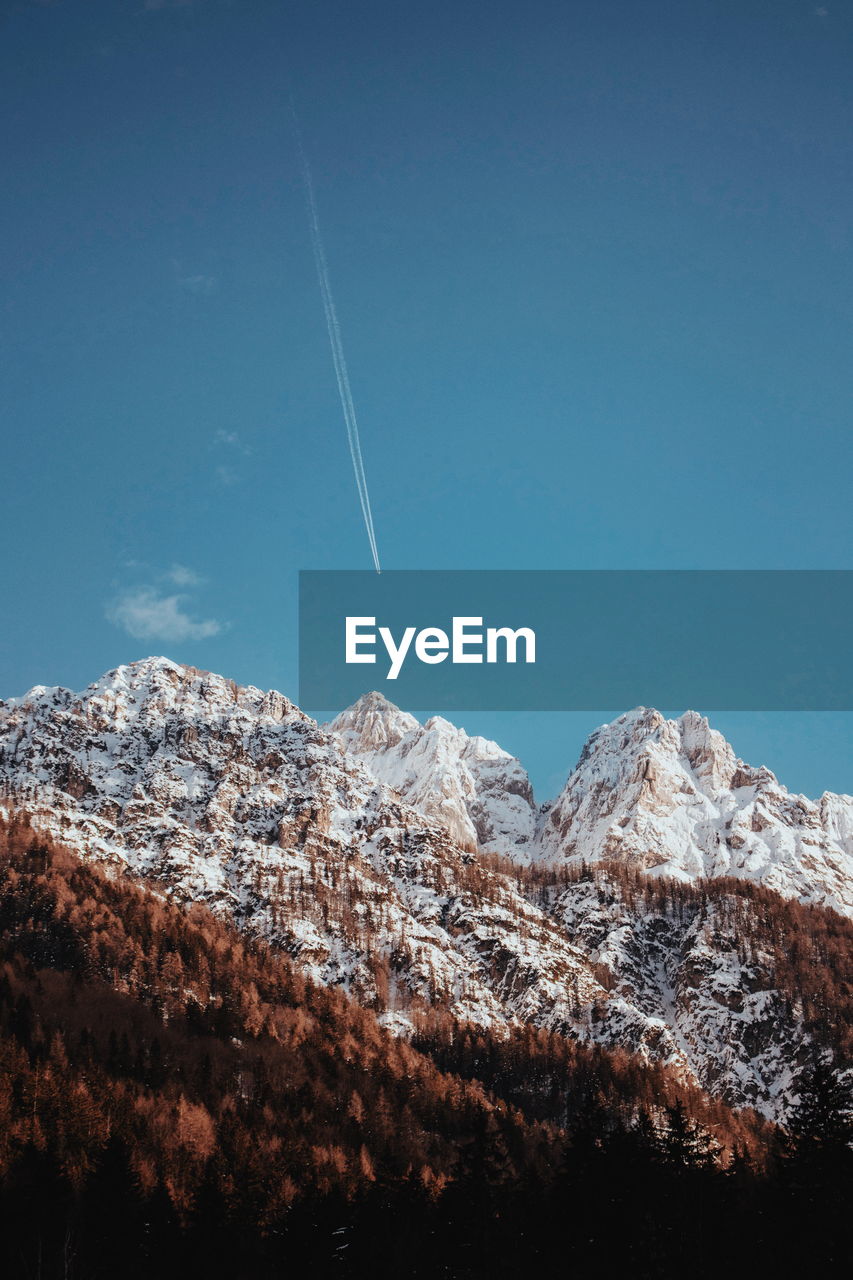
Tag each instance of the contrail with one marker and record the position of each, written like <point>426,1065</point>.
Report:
<point>334,330</point>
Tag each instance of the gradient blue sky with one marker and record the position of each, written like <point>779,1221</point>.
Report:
<point>592,263</point>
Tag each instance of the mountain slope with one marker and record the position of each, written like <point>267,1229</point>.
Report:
<point>670,797</point>
<point>744,984</point>
<point>177,1100</point>
<point>475,789</point>
<point>233,798</point>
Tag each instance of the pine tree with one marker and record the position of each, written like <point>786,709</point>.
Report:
<point>820,1125</point>
<point>686,1144</point>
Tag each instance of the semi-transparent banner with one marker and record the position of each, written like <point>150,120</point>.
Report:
<point>578,640</point>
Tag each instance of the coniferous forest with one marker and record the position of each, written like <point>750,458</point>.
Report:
<point>176,1098</point>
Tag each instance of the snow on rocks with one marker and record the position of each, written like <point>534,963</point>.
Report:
<point>671,798</point>
<point>364,850</point>
<point>474,788</point>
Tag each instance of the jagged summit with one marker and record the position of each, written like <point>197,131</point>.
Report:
<point>144,673</point>
<point>373,723</point>
<point>645,730</point>
<point>474,788</point>
<point>672,798</point>
<point>354,847</point>
<point>141,667</point>
<point>153,687</point>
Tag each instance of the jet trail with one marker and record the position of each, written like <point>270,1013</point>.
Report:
<point>334,330</point>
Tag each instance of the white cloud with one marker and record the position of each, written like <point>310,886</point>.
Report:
<point>181,576</point>
<point>152,612</point>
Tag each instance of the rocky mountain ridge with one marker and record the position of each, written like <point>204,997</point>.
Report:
<point>475,789</point>
<point>672,798</point>
<point>352,848</point>
<point>235,798</point>
<point>669,797</point>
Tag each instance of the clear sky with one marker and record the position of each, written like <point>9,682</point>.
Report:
<point>593,268</point>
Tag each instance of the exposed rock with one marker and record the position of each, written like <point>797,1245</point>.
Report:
<point>476,790</point>
<point>671,797</point>
<point>354,850</point>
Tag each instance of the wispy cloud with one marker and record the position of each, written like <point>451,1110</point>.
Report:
<point>151,611</point>
<point>181,576</point>
<point>202,286</point>
<point>232,445</point>
<point>226,476</point>
<point>233,440</point>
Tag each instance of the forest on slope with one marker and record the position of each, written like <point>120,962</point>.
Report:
<point>806,951</point>
<point>175,1097</point>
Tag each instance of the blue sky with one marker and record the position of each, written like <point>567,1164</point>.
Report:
<point>592,264</point>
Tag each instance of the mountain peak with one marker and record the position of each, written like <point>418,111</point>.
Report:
<point>372,724</point>
<point>474,788</point>
<point>672,798</point>
<point>644,731</point>
<point>231,796</point>
<point>141,671</point>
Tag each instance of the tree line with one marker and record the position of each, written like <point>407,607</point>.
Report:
<point>178,1098</point>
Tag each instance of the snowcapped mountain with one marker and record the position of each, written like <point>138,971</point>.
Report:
<point>671,798</point>
<point>475,789</point>
<point>234,797</point>
<point>360,849</point>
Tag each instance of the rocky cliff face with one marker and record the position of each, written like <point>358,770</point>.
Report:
<point>671,798</point>
<point>234,797</point>
<point>360,850</point>
<point>689,980</point>
<point>475,789</point>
